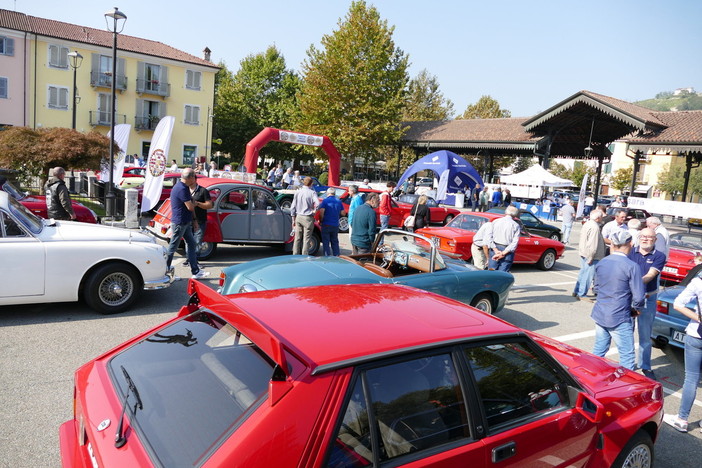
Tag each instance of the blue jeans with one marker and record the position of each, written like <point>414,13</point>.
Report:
<point>185,232</point>
<point>693,362</point>
<point>566,232</point>
<point>623,335</point>
<point>384,221</point>
<point>330,240</point>
<point>585,277</point>
<point>645,326</point>
<point>198,234</point>
<point>503,264</point>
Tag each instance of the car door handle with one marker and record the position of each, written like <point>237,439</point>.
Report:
<point>504,451</point>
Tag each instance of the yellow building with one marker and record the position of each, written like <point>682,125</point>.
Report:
<point>152,80</point>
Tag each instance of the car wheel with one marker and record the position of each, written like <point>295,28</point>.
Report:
<point>637,453</point>
<point>112,288</point>
<point>448,219</point>
<point>207,249</point>
<point>286,204</point>
<point>555,236</point>
<point>315,244</point>
<point>547,260</point>
<point>483,302</point>
<point>344,224</point>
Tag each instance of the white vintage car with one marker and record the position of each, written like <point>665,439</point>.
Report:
<point>62,261</point>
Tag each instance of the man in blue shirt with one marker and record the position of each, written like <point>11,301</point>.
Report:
<point>496,198</point>
<point>620,297</point>
<point>182,222</point>
<point>650,262</point>
<point>330,210</point>
<point>356,201</point>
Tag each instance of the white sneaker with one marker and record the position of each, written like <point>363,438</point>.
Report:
<point>675,421</point>
<point>201,274</point>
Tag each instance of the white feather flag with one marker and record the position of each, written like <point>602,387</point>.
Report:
<point>156,164</point>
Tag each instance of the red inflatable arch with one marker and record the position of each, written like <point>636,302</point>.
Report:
<point>274,134</point>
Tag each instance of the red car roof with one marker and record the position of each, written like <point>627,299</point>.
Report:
<point>327,325</point>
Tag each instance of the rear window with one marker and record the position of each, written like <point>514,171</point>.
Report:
<point>198,379</point>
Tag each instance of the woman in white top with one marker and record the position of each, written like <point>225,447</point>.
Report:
<point>693,353</point>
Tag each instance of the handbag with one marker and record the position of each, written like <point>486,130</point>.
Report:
<point>409,221</point>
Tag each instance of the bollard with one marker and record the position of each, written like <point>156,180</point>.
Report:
<point>131,208</point>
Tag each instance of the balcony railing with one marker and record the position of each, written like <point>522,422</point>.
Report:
<point>103,118</point>
<point>146,123</point>
<point>153,87</point>
<point>104,80</point>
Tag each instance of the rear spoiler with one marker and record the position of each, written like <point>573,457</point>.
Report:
<point>280,382</point>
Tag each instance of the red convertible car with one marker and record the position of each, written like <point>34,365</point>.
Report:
<point>37,203</point>
<point>457,236</point>
<point>683,247</point>
<point>242,214</point>
<point>312,377</point>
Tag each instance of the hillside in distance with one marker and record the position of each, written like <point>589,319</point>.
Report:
<point>668,101</point>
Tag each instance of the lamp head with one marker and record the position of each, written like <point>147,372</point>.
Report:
<point>116,16</point>
<point>75,58</point>
<point>588,151</point>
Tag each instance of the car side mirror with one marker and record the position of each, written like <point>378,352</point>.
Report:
<point>587,406</point>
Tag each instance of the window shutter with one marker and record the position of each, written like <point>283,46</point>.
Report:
<point>63,59</point>
<point>163,82</point>
<point>53,56</point>
<point>9,46</point>
<point>162,110</point>
<point>196,115</point>
<point>196,82</point>
<point>95,69</point>
<point>63,98</point>
<point>3,87</point>
<point>121,82</point>
<point>187,114</point>
<point>188,78</point>
<point>53,97</point>
<point>141,76</point>
<point>140,108</point>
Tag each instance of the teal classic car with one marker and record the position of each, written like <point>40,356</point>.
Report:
<point>397,257</point>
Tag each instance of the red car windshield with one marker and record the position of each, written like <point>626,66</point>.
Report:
<point>201,364</point>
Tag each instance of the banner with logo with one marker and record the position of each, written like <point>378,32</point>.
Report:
<point>156,163</point>
<point>122,140</point>
<point>581,200</point>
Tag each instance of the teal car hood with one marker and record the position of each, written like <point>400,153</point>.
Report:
<point>296,271</point>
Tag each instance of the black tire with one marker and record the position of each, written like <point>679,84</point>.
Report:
<point>483,302</point>
<point>207,249</point>
<point>315,244</point>
<point>555,236</point>
<point>448,219</point>
<point>112,288</point>
<point>547,260</point>
<point>637,453</point>
<point>343,224</point>
<point>285,204</point>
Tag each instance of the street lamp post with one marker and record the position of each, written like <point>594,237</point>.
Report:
<point>76,60</point>
<point>116,16</point>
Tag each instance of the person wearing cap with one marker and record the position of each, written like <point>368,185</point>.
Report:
<point>330,210</point>
<point>620,298</point>
<point>504,240</point>
<point>650,262</point>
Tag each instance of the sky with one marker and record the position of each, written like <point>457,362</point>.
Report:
<point>527,54</point>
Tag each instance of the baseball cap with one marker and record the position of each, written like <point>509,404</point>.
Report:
<point>620,237</point>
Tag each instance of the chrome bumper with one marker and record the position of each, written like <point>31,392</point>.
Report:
<point>161,283</point>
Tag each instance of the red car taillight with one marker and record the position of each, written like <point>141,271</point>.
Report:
<point>222,279</point>
<point>152,223</point>
<point>662,307</point>
<point>164,229</point>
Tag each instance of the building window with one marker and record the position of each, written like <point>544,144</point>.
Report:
<point>192,79</point>
<point>58,56</point>
<point>189,152</point>
<point>7,46</point>
<point>104,108</point>
<point>3,87</point>
<point>58,97</point>
<point>192,115</point>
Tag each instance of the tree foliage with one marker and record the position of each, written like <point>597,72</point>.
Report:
<point>425,101</point>
<point>522,164</point>
<point>485,108</point>
<point>672,180</point>
<point>353,87</point>
<point>33,151</point>
<point>261,94</point>
<point>621,179</point>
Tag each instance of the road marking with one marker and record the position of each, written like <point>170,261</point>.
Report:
<point>529,286</point>
<point>575,336</point>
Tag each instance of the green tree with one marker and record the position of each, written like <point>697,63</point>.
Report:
<point>621,179</point>
<point>33,151</point>
<point>425,101</point>
<point>671,180</point>
<point>522,164</point>
<point>261,94</point>
<point>353,87</point>
<point>485,108</point>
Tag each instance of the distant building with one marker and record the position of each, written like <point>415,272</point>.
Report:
<point>152,80</point>
<point>679,91</point>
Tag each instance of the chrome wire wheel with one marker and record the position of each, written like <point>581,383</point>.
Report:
<point>116,289</point>
<point>639,457</point>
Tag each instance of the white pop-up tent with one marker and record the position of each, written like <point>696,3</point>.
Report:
<point>538,176</point>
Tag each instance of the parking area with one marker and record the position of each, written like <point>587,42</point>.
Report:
<point>42,345</point>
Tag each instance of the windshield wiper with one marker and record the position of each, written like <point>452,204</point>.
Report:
<point>120,440</point>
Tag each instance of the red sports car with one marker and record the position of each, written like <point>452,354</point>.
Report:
<point>457,236</point>
<point>397,216</point>
<point>37,203</point>
<point>339,376</point>
<point>683,247</point>
<point>437,214</point>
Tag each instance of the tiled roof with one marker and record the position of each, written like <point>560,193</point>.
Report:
<point>683,133</point>
<point>646,115</point>
<point>473,130</point>
<point>97,37</point>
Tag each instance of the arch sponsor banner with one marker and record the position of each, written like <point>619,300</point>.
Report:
<point>300,138</point>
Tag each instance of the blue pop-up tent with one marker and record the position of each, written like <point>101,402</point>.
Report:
<point>454,173</point>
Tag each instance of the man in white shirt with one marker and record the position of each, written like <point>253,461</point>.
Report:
<point>662,235</point>
<point>568,216</point>
<point>617,224</point>
<point>479,249</point>
<point>505,236</point>
<point>589,204</point>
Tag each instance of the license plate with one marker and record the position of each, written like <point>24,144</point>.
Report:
<point>678,336</point>
<point>670,269</point>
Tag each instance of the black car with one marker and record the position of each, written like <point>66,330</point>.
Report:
<point>534,225</point>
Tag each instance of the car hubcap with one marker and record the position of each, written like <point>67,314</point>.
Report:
<point>549,260</point>
<point>116,289</point>
<point>640,457</point>
<point>484,306</point>
<point>343,224</point>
